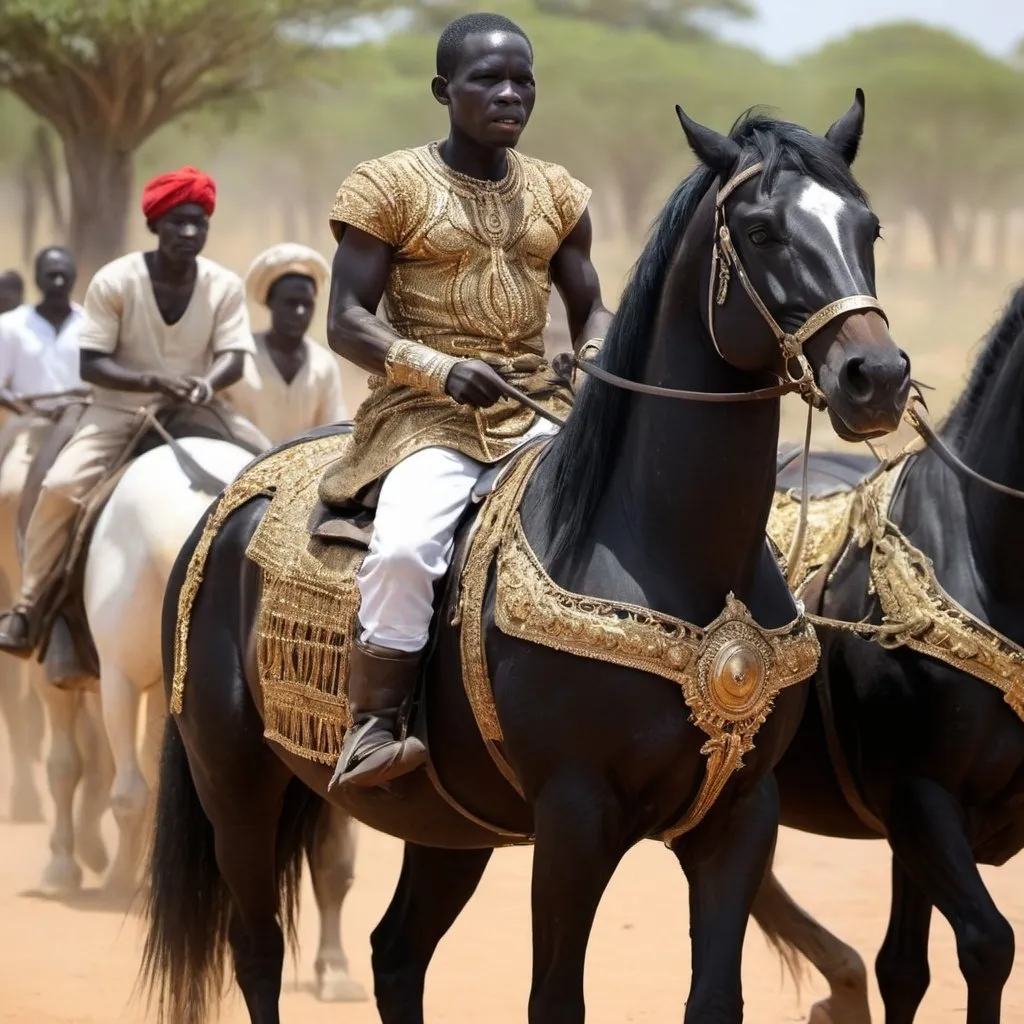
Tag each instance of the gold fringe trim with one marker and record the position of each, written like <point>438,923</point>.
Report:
<point>251,485</point>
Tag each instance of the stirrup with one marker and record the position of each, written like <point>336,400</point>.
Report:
<point>387,758</point>
<point>18,647</point>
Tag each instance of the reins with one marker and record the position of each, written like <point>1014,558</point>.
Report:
<point>916,416</point>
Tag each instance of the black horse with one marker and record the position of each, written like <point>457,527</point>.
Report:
<point>931,757</point>
<point>655,502</point>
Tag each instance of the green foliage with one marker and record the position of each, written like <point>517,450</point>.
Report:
<point>124,68</point>
<point>687,18</point>
<point>945,121</point>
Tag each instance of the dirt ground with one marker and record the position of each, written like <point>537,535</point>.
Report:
<point>75,962</point>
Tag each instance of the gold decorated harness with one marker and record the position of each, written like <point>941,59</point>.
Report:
<point>917,612</point>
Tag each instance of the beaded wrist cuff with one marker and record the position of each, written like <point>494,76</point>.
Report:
<point>418,366</point>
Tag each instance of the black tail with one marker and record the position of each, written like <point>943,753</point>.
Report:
<point>189,904</point>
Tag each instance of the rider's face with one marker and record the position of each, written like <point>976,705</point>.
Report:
<point>55,275</point>
<point>181,232</point>
<point>492,91</point>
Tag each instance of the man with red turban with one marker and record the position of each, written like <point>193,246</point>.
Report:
<point>165,327</point>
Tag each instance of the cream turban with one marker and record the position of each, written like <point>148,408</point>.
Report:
<point>276,262</point>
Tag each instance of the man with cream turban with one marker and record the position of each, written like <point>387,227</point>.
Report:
<point>292,384</point>
<point>167,324</point>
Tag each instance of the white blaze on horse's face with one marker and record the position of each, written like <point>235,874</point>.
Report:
<point>826,207</point>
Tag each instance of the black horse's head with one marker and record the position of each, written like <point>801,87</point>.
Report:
<point>793,273</point>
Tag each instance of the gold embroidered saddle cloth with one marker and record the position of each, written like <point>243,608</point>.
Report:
<point>729,673</point>
<point>916,611</point>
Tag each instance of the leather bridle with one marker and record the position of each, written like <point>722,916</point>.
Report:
<point>726,261</point>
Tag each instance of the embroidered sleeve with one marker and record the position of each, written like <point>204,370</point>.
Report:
<point>104,306</point>
<point>231,329</point>
<point>570,197</point>
<point>370,199</point>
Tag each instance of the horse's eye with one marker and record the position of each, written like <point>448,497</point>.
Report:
<point>759,236</point>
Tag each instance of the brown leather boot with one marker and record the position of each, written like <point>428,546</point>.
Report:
<point>16,632</point>
<point>380,681</point>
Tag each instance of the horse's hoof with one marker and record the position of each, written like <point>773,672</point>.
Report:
<point>26,807</point>
<point>62,876</point>
<point>333,985</point>
<point>92,852</point>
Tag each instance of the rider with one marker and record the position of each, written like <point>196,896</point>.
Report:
<point>162,324</point>
<point>12,290</point>
<point>293,384</point>
<point>462,239</point>
<point>38,355</point>
<point>39,343</point>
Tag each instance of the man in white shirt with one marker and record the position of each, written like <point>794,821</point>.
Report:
<point>38,355</point>
<point>169,324</point>
<point>39,344</point>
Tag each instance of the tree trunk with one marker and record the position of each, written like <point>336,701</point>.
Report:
<point>965,235</point>
<point>634,187</point>
<point>938,230</point>
<point>1000,238</point>
<point>100,178</point>
<point>29,210</point>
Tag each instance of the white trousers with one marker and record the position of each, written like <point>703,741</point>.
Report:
<point>421,502</point>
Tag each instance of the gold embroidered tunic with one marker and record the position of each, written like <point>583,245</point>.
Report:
<point>470,277</point>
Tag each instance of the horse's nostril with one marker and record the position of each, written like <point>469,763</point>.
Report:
<point>905,362</point>
<point>855,381</point>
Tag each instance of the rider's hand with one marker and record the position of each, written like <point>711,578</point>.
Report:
<point>564,365</point>
<point>473,382</point>
<point>177,388</point>
<point>201,392</point>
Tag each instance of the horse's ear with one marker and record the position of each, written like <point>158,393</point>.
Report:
<point>717,151</point>
<point>846,133</point>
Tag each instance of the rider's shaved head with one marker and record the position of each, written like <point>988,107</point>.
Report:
<point>449,46</point>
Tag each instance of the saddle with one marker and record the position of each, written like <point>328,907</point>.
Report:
<point>65,644</point>
<point>309,554</point>
<point>828,473</point>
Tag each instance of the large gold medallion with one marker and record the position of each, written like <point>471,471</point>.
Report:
<point>733,670</point>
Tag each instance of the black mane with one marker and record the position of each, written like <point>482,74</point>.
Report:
<point>583,457</point>
<point>998,344</point>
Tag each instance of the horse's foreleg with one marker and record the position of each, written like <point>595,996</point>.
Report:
<point>129,795</point>
<point>432,889</point>
<point>332,863</point>
<point>97,778</point>
<point>580,840</point>
<point>789,927</point>
<point>63,772</point>
<point>724,876</point>
<point>902,962</point>
<point>926,833</point>
<point>23,715</point>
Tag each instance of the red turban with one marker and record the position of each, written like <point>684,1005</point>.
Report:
<point>187,185</point>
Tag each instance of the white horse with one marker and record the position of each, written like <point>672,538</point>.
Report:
<point>150,514</point>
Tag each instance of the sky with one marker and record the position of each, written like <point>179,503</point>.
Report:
<point>786,28</point>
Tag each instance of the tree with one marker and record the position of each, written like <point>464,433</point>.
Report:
<point>942,142</point>
<point>107,74</point>
<point>688,18</point>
